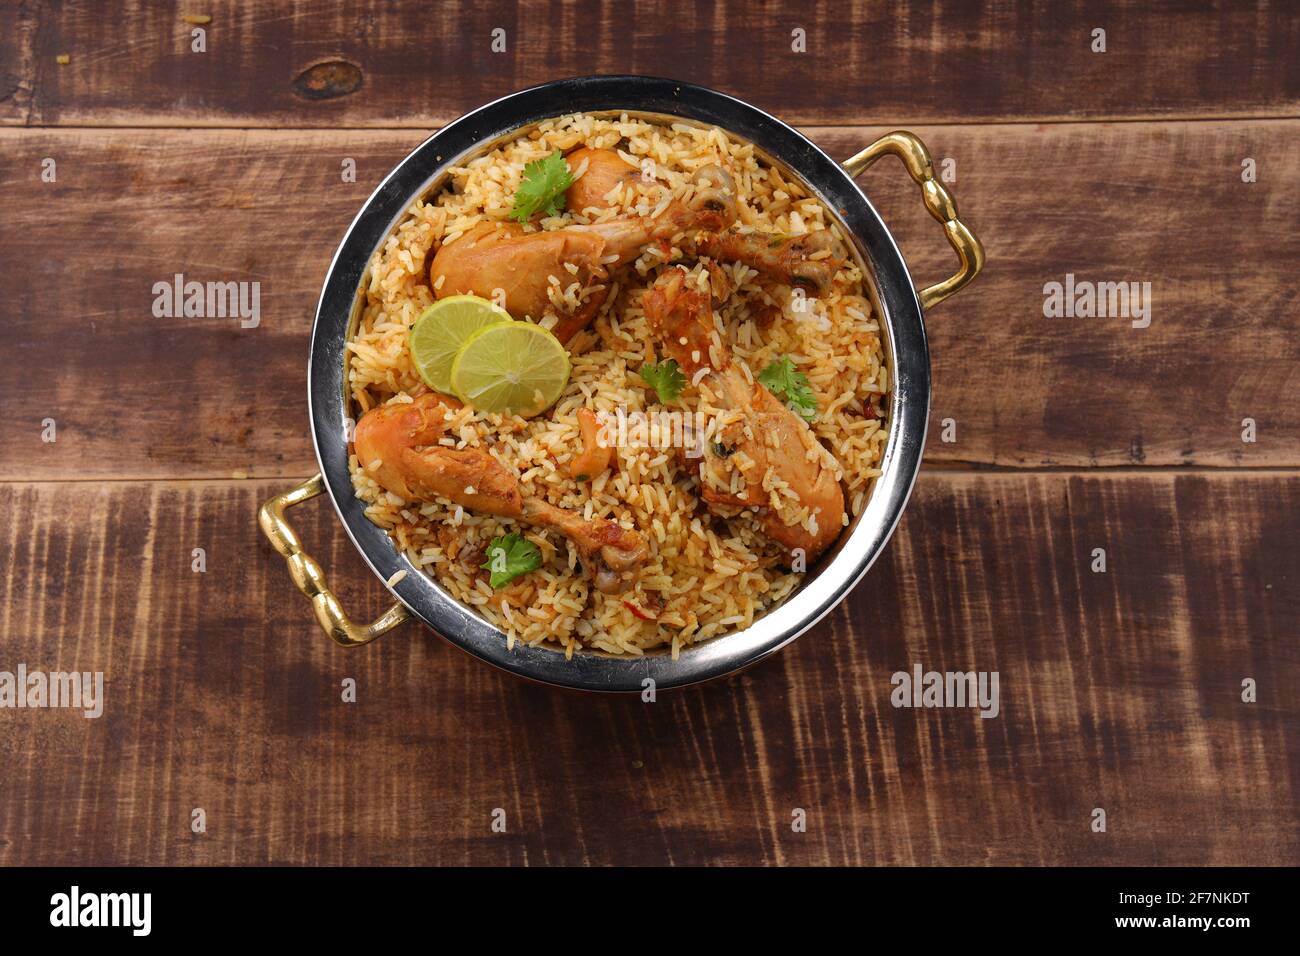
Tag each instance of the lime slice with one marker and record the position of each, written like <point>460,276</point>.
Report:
<point>442,329</point>
<point>512,367</point>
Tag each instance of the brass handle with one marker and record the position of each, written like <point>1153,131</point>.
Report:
<point>309,577</point>
<point>907,147</point>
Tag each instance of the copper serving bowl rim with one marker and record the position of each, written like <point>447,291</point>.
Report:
<point>903,332</point>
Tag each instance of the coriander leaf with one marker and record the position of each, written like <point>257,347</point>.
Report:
<point>665,378</point>
<point>509,556</point>
<point>778,375</point>
<point>784,381</point>
<point>542,188</point>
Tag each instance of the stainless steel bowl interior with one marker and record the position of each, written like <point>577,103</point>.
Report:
<point>890,287</point>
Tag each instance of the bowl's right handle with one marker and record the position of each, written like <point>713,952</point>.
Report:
<point>309,577</point>
<point>909,148</point>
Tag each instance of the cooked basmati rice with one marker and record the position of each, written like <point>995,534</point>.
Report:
<point>705,575</point>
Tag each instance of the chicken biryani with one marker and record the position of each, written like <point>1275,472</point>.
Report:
<point>618,384</point>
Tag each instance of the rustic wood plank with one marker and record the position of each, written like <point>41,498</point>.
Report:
<point>18,62</point>
<point>1119,690</point>
<point>1163,204</point>
<point>381,64</point>
<point>211,399</point>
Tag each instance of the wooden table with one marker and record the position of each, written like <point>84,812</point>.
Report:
<point>1120,690</point>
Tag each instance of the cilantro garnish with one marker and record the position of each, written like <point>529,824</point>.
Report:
<point>542,189</point>
<point>509,556</point>
<point>665,378</point>
<point>784,381</point>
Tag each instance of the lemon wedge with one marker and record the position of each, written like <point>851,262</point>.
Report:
<point>514,367</point>
<point>443,328</point>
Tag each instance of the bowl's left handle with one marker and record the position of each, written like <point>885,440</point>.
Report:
<point>309,577</point>
<point>909,148</point>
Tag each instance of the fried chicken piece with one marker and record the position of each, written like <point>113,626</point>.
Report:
<point>494,256</point>
<point>785,259</point>
<point>397,445</point>
<point>770,436</point>
<point>605,170</point>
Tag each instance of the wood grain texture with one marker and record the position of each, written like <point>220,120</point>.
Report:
<point>270,63</point>
<point>1118,690</point>
<point>138,396</point>
<point>18,64</point>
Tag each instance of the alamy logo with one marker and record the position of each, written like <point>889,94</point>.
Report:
<point>77,689</point>
<point>208,300</point>
<point>1085,299</point>
<point>661,429</point>
<point>923,688</point>
<point>102,909</point>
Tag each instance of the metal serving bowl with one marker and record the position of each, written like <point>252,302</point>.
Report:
<point>899,306</point>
